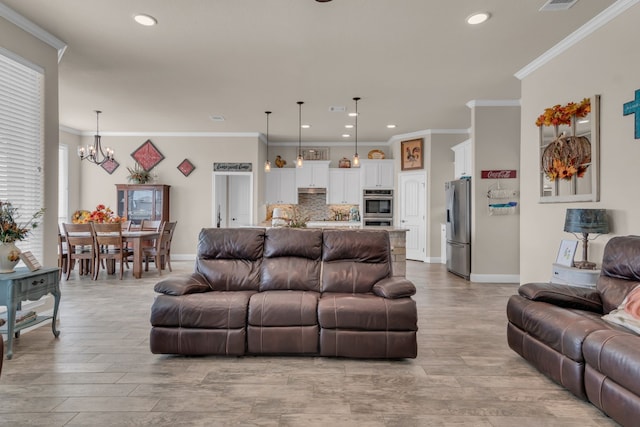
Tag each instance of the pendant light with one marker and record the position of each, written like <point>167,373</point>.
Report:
<point>299,160</point>
<point>267,163</point>
<point>356,158</point>
<point>94,153</point>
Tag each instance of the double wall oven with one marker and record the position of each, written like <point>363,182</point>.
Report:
<point>377,208</point>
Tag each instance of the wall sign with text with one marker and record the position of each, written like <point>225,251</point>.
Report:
<point>499,174</point>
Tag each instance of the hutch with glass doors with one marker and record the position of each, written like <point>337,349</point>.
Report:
<point>143,201</point>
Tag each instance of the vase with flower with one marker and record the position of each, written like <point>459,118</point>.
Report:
<point>138,175</point>
<point>10,231</point>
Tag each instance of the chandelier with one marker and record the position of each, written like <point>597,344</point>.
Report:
<point>94,153</point>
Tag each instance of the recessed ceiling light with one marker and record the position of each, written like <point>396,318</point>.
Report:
<point>478,18</point>
<point>305,126</point>
<point>346,135</point>
<point>352,114</point>
<point>391,126</point>
<point>146,20</point>
<point>348,126</point>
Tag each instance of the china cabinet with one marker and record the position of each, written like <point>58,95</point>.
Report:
<point>143,201</point>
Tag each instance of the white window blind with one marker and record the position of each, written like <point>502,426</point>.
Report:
<point>22,144</point>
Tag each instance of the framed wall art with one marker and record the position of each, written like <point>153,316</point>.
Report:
<point>411,154</point>
<point>147,155</point>
<point>186,167</point>
<point>566,252</point>
<point>110,166</point>
<point>570,151</point>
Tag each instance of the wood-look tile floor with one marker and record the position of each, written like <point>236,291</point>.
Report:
<point>100,372</point>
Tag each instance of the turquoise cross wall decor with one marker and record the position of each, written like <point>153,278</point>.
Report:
<point>633,107</point>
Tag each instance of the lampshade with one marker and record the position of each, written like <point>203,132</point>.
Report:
<point>586,221</point>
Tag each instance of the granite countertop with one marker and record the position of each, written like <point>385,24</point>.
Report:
<point>339,224</point>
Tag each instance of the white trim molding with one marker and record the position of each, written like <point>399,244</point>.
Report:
<point>588,28</point>
<point>20,21</point>
<point>180,134</point>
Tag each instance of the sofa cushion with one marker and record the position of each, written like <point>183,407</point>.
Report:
<point>230,258</point>
<point>211,310</point>
<point>367,312</point>
<point>283,308</point>
<point>620,271</point>
<point>563,295</point>
<point>562,329</point>
<point>354,260</point>
<point>291,259</point>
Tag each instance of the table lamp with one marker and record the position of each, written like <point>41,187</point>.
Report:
<point>586,221</point>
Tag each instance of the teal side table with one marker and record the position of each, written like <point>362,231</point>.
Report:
<point>25,285</point>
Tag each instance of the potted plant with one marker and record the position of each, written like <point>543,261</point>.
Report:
<point>138,175</point>
<point>12,230</point>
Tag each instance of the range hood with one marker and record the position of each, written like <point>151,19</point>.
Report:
<point>312,190</point>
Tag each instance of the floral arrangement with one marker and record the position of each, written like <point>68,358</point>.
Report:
<point>138,175</point>
<point>10,229</point>
<point>562,114</point>
<point>298,218</point>
<point>102,214</point>
<point>565,157</point>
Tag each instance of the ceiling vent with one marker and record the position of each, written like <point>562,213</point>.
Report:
<point>217,118</point>
<point>337,109</point>
<point>553,5</point>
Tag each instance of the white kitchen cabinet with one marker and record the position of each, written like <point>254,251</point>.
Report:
<point>281,186</point>
<point>344,187</point>
<point>377,173</point>
<point>463,163</point>
<point>313,174</point>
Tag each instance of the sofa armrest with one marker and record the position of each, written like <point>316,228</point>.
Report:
<point>182,285</point>
<point>565,296</point>
<point>394,287</point>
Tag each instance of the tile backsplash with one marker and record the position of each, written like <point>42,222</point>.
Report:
<point>316,208</point>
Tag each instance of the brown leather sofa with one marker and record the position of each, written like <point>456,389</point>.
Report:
<point>559,329</point>
<point>287,291</point>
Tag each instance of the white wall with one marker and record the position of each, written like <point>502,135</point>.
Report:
<point>191,201</point>
<point>605,63</point>
<point>494,238</point>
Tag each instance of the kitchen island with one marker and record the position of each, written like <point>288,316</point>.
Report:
<point>397,240</point>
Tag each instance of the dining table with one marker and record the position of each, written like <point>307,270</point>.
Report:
<point>137,237</point>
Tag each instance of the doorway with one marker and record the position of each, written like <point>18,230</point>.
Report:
<point>413,216</point>
<point>232,199</point>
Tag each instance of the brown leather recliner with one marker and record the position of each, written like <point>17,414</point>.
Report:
<point>287,291</point>
<point>559,329</point>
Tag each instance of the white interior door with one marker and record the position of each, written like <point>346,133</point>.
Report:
<point>239,201</point>
<point>413,194</point>
<point>232,199</point>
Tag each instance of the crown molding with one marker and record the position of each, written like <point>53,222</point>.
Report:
<point>427,132</point>
<point>180,134</point>
<point>587,29</point>
<point>493,103</point>
<point>21,22</point>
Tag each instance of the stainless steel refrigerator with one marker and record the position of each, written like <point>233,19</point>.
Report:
<point>458,221</point>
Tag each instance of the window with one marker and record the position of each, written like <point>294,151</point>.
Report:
<point>21,141</point>
<point>63,183</point>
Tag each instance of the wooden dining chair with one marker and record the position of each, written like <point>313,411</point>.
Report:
<point>161,251</point>
<point>63,263</point>
<point>81,247</point>
<point>111,247</point>
<point>148,224</point>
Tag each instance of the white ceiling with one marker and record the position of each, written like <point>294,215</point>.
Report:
<point>414,63</point>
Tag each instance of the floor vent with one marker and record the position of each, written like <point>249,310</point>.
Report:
<point>553,5</point>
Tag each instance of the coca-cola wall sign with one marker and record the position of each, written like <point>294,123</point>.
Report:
<point>499,174</point>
